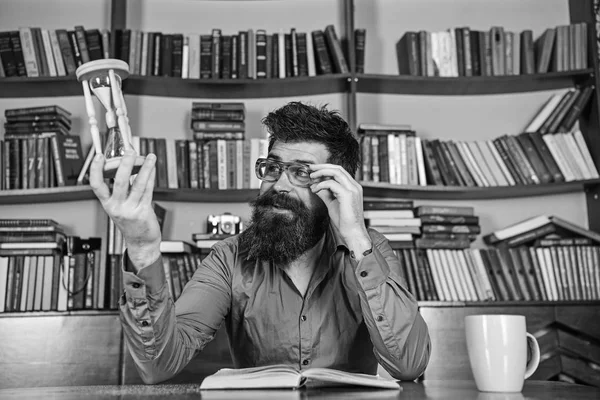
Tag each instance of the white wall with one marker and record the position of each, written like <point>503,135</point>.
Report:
<point>467,117</point>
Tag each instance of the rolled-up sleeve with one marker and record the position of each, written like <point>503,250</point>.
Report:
<point>163,336</point>
<point>398,332</point>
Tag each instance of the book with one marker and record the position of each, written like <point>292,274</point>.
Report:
<point>287,377</point>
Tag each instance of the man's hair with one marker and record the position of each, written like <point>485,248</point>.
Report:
<point>298,122</point>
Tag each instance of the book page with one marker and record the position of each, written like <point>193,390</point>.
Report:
<point>273,376</point>
<point>347,378</point>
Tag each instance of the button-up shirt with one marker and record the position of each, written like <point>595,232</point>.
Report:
<point>354,315</point>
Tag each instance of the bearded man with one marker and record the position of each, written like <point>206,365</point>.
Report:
<point>306,284</point>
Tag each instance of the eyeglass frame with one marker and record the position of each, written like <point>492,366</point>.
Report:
<point>284,167</point>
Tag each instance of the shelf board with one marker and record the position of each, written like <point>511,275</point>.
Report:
<point>387,190</point>
<point>79,313</point>
<point>77,193</point>
<point>17,87</point>
<point>512,303</point>
<point>370,190</point>
<point>472,85</point>
<point>235,88</point>
<point>182,88</point>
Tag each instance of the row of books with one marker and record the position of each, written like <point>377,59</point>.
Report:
<point>211,121</point>
<point>506,274</point>
<point>462,51</point>
<point>201,164</point>
<point>35,51</point>
<point>43,269</point>
<point>252,53</point>
<point>529,158</point>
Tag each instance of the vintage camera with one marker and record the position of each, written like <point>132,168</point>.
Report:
<point>224,224</point>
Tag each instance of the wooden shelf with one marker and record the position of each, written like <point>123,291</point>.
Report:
<point>512,303</point>
<point>182,88</point>
<point>387,190</point>
<point>370,190</point>
<point>472,85</point>
<point>79,313</point>
<point>19,87</point>
<point>77,193</point>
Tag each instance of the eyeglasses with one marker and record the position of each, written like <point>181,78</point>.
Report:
<point>269,170</point>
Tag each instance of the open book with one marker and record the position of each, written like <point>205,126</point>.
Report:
<point>287,377</point>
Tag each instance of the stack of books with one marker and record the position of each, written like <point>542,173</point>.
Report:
<point>212,121</point>
<point>394,219</point>
<point>180,261</point>
<point>463,51</point>
<point>38,150</point>
<point>447,227</point>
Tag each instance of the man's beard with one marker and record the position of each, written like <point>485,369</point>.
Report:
<point>282,237</point>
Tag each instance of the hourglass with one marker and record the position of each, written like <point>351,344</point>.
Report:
<point>104,78</point>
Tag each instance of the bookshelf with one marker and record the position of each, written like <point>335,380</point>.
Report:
<point>380,95</point>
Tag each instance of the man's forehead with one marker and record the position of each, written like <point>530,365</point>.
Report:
<point>305,152</point>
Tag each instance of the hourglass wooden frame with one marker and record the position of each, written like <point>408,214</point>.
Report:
<point>113,101</point>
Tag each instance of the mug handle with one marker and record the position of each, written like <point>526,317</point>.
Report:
<point>535,355</point>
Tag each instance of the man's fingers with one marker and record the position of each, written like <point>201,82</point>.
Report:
<point>148,192</point>
<point>320,171</point>
<point>121,182</point>
<point>141,180</point>
<point>100,188</point>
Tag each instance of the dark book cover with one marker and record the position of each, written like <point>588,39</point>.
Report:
<point>432,170</point>
<point>235,56</point>
<point>520,276</point>
<point>75,48</point>
<point>322,58</point>
<point>166,55</point>
<point>289,67</point>
<point>183,166</point>
<point>516,152</point>
<point>66,50</point>
<point>7,56</point>
<point>544,46</point>
<point>529,255</point>
<point>261,54</point>
<point>149,61</point>
<point>460,51</point>
<point>474,37</point>
<point>94,44</point>
<point>449,171</point>
<point>225,56</point>
<point>302,54</point>
<point>160,145</point>
<point>15,40</point>
<point>440,219</point>
<point>470,229</point>
<point>275,56</point>
<point>527,53</point>
<point>422,243</point>
<point>206,57</point>
<point>360,39</point>
<point>466,40</point>
<point>407,53</point>
<point>546,156</point>
<point>461,167</point>
<point>70,157</point>
<point>575,110</point>
<point>176,55</point>
<point>501,275</point>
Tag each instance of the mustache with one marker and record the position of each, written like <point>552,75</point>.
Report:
<point>272,198</point>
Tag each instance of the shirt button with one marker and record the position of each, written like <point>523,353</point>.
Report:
<point>364,273</point>
<point>305,362</point>
<point>145,323</point>
<point>135,285</point>
<point>303,318</point>
<point>379,318</point>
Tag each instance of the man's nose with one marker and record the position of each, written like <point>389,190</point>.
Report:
<point>283,184</point>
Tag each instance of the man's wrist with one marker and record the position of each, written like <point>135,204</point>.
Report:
<point>143,256</point>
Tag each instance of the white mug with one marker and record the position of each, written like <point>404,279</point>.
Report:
<point>497,347</point>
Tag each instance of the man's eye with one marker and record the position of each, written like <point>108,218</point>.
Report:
<point>272,168</point>
<point>302,173</point>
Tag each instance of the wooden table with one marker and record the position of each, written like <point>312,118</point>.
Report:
<point>447,390</point>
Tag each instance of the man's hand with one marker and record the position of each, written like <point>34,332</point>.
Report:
<point>131,210</point>
<point>343,197</point>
